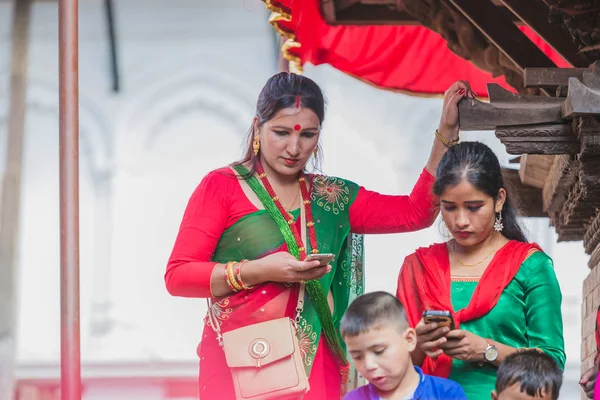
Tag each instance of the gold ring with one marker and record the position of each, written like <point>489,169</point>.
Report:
<point>302,281</point>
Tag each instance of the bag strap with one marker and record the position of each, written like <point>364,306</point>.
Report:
<point>300,304</point>
<point>214,321</point>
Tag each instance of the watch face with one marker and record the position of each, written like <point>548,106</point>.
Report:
<point>491,353</point>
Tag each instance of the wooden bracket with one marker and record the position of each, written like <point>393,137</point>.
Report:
<point>582,100</point>
<point>539,139</point>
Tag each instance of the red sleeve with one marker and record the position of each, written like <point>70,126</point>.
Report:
<point>189,268</point>
<point>407,289</point>
<point>372,212</point>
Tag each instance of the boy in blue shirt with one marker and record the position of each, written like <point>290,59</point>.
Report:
<point>380,341</point>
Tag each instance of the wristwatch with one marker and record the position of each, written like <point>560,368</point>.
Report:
<point>490,354</point>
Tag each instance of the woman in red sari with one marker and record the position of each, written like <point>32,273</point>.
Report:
<point>239,245</point>
<point>501,291</point>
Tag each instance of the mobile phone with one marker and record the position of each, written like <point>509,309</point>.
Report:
<point>440,317</point>
<point>323,258</point>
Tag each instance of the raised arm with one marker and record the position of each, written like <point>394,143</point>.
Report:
<point>448,129</point>
<point>372,212</point>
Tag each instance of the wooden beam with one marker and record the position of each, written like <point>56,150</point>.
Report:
<point>11,195</point>
<point>581,100</point>
<point>475,115</point>
<point>588,133</point>
<point>550,77</point>
<point>496,24</point>
<point>343,4</point>
<point>497,94</point>
<point>575,219</point>
<point>539,139</point>
<point>528,199</point>
<point>535,13</point>
<point>372,12</point>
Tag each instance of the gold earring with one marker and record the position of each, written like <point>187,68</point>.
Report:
<point>256,145</point>
<point>316,151</point>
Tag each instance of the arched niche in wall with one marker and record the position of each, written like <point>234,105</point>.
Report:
<point>171,132</point>
<point>39,258</point>
<point>174,93</point>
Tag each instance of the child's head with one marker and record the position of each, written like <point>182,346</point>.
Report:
<point>528,374</point>
<point>379,339</point>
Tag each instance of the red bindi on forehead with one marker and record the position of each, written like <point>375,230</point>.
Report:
<point>297,127</point>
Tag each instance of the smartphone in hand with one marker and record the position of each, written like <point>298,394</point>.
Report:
<point>440,317</point>
<point>324,259</point>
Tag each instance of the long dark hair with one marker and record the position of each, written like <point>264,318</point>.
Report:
<point>280,92</point>
<point>477,164</point>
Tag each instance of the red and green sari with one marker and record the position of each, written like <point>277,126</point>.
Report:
<point>274,300</point>
<point>220,224</point>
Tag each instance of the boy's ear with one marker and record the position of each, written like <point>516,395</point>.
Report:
<point>410,336</point>
<point>494,395</point>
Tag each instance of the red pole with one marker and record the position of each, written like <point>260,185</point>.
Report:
<point>70,366</point>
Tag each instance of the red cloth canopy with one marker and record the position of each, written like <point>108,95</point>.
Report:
<point>395,57</point>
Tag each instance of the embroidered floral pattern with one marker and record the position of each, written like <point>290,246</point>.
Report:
<point>330,193</point>
<point>353,265</point>
<point>220,310</point>
<point>307,339</point>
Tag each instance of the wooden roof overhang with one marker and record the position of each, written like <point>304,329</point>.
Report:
<point>553,123</point>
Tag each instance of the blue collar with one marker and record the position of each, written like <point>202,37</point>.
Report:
<point>373,395</point>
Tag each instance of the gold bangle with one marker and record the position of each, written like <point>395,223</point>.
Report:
<point>226,275</point>
<point>238,274</point>
<point>231,276</point>
<point>446,142</point>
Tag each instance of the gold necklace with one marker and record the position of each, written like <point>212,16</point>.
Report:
<point>293,202</point>
<point>464,264</point>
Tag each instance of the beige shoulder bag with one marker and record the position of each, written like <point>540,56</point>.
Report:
<point>264,358</point>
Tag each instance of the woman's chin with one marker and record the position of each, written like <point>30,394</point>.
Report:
<point>469,241</point>
<point>289,170</point>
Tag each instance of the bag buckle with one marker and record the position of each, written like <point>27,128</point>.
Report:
<point>260,348</point>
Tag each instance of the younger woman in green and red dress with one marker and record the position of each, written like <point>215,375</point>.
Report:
<point>501,290</point>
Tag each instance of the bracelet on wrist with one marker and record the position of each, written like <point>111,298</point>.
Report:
<point>238,275</point>
<point>226,276</point>
<point>446,142</point>
<point>230,277</point>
